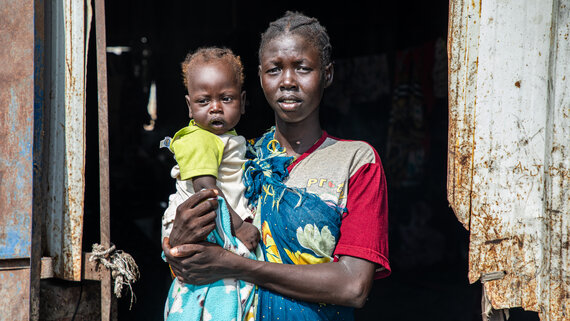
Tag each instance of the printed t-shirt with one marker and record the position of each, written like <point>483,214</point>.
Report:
<point>357,183</point>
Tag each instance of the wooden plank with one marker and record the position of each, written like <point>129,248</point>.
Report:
<point>46,270</point>
<point>92,270</point>
<point>105,228</point>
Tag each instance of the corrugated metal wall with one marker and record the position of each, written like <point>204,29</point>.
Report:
<point>509,148</point>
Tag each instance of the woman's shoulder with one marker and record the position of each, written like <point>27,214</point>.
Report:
<point>357,150</point>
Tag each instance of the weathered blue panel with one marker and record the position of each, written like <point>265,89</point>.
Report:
<point>16,127</point>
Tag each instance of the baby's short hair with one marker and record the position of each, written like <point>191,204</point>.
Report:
<point>208,54</point>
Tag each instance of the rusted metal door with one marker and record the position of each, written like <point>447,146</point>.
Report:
<point>42,147</point>
<point>16,156</point>
<point>509,148</point>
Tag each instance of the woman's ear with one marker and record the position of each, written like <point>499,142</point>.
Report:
<point>188,104</point>
<point>242,107</point>
<point>329,73</point>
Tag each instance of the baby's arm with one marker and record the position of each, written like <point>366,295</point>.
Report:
<point>244,231</point>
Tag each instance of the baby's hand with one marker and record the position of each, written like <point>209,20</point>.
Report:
<point>248,235</point>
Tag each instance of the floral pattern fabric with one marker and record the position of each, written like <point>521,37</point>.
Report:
<point>226,299</point>
<point>297,227</point>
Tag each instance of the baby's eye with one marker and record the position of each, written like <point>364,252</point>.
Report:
<point>273,70</point>
<point>227,99</point>
<point>202,101</point>
<point>304,69</point>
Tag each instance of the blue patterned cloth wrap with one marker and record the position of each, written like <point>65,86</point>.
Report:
<point>297,227</point>
<point>226,299</point>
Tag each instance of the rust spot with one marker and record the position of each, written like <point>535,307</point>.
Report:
<point>496,241</point>
<point>464,160</point>
<point>519,242</point>
<point>518,84</point>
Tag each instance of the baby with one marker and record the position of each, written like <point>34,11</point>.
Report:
<point>210,155</point>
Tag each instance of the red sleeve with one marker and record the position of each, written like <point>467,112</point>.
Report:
<point>364,229</point>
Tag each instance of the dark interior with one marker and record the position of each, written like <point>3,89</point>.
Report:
<point>390,89</point>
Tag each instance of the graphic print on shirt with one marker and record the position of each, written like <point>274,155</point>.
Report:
<point>326,188</point>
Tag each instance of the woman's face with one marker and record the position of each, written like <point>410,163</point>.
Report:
<point>292,78</point>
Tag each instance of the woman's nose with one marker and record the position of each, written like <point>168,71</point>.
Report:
<point>288,81</point>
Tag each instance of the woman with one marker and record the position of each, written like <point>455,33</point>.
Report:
<point>295,68</point>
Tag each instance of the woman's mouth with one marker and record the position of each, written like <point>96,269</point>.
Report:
<point>289,103</point>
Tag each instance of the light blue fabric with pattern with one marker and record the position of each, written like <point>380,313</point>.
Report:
<point>227,299</point>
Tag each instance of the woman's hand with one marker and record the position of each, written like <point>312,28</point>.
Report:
<point>199,263</point>
<point>195,218</point>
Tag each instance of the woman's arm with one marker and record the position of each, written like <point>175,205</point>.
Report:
<point>346,282</point>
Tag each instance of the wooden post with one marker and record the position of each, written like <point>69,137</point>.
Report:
<point>105,228</point>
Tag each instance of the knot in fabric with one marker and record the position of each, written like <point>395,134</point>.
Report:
<point>267,170</point>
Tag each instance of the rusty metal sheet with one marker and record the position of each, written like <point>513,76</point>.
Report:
<point>14,286</point>
<point>462,51</point>
<point>16,156</point>
<point>66,150</point>
<point>519,200</point>
<point>557,180</point>
<point>16,127</point>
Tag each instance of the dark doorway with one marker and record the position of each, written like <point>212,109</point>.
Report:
<point>390,89</point>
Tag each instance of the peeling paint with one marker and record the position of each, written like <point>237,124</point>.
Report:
<point>508,149</point>
<point>16,125</point>
<point>66,147</point>
<point>16,167</point>
<point>15,294</point>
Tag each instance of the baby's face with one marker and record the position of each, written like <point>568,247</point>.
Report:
<point>215,99</point>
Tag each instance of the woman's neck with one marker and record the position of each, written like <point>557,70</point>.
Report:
<point>297,138</point>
